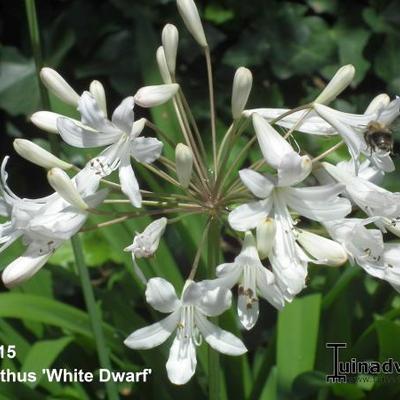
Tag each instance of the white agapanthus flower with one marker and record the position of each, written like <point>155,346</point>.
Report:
<point>44,224</point>
<point>367,248</point>
<point>145,244</point>
<point>121,135</point>
<point>188,316</point>
<point>277,196</point>
<point>326,121</point>
<point>253,278</point>
<point>374,200</point>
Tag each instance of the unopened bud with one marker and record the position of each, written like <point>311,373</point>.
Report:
<point>151,96</point>
<point>184,164</point>
<point>59,86</point>
<point>377,103</point>
<point>97,90</point>
<point>63,185</point>
<point>337,84</point>
<point>37,155</point>
<point>241,88</point>
<point>162,65</point>
<point>325,251</point>
<point>265,234</point>
<point>169,39</point>
<point>191,18</point>
<point>46,120</point>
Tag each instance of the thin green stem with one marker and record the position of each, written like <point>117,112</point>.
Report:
<point>212,108</point>
<point>34,34</point>
<point>214,369</point>
<point>94,316</point>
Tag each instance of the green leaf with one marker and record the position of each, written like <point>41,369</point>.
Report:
<point>19,91</point>
<point>351,43</point>
<point>217,14</point>
<point>298,325</point>
<point>269,391</point>
<point>42,355</point>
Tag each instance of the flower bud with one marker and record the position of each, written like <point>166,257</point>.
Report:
<point>377,103</point>
<point>58,86</point>
<point>337,84</point>
<point>151,96</point>
<point>169,39</point>
<point>265,234</point>
<point>184,164</point>
<point>37,155</point>
<point>242,83</point>
<point>191,18</point>
<point>97,90</point>
<point>46,120</point>
<point>63,185</point>
<point>325,251</point>
<point>162,65</point>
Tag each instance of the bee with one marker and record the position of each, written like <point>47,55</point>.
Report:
<point>379,137</point>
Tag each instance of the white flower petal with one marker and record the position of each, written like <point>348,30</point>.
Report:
<point>220,340</point>
<point>273,146</point>
<point>146,149</point>
<point>257,183</point>
<point>317,193</point>
<point>389,113</point>
<point>161,295</point>
<point>97,91</point>
<point>153,335</point>
<point>248,313</point>
<point>123,115</point>
<point>248,216</point>
<point>181,364</point>
<point>24,267</point>
<point>353,141</point>
<point>129,183</point>
<point>269,289</point>
<point>293,169</point>
<point>214,300</point>
<point>77,136</point>
<point>319,210</point>
<point>93,116</point>
<point>312,124</point>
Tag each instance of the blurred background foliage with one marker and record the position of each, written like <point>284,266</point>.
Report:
<point>292,48</point>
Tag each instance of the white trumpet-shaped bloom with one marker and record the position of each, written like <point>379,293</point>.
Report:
<point>374,200</point>
<point>323,120</point>
<point>188,317</point>
<point>277,196</point>
<point>366,248</point>
<point>121,135</point>
<point>44,224</point>
<point>254,280</point>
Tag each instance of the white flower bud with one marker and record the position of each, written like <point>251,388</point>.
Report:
<point>151,96</point>
<point>265,234</point>
<point>337,84</point>
<point>169,39</point>
<point>377,103</point>
<point>46,120</point>
<point>97,90</point>
<point>191,18</point>
<point>63,185</point>
<point>37,155</point>
<point>184,164</point>
<point>241,88</point>
<point>325,251</point>
<point>58,86</point>
<point>162,65</point>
